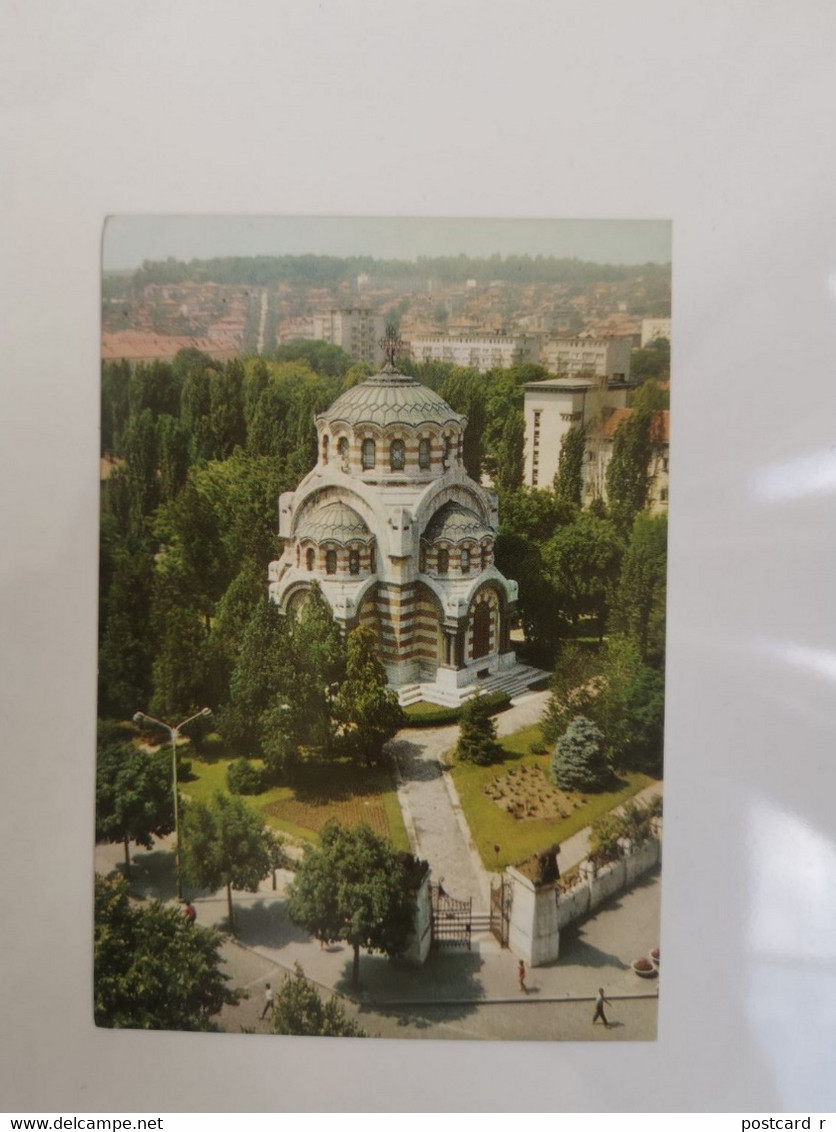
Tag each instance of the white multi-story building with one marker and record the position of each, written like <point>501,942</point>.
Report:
<point>479,351</point>
<point>357,330</point>
<point>587,357</point>
<point>653,328</point>
<point>554,406</point>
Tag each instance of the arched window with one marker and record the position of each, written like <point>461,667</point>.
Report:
<point>325,449</point>
<point>443,561</point>
<point>354,561</point>
<point>368,453</point>
<point>342,452</point>
<point>310,557</point>
<point>424,454</point>
<point>330,562</point>
<point>397,455</point>
<point>486,557</point>
<point>446,453</point>
<point>465,561</point>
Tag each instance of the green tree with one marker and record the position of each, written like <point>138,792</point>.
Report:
<point>628,472</point>
<point>651,396</point>
<point>568,479</point>
<point>299,1009</point>
<point>152,969</point>
<point>477,734</point>
<point>173,455</point>
<point>259,675</point>
<point>318,651</point>
<point>178,673</point>
<point>354,887</point>
<point>580,761</point>
<point>638,608</point>
<point>226,845</point>
<point>227,427</point>
<point>575,687</point>
<point>509,462</point>
<point>127,640</point>
<point>134,800</point>
<point>582,560</point>
<point>233,612</point>
<point>652,361</point>
<point>366,708</point>
<point>358,372</point>
<point>464,391</point>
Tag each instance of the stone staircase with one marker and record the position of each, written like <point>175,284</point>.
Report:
<point>514,681</point>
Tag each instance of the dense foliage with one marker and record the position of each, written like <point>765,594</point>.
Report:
<point>477,734</point>
<point>580,759</point>
<point>299,1010</point>
<point>134,794</point>
<point>152,969</point>
<point>354,887</point>
<point>226,845</point>
<point>368,711</point>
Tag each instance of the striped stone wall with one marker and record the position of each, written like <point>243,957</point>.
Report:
<point>427,643</point>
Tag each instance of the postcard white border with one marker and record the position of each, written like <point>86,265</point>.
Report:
<point>717,116</point>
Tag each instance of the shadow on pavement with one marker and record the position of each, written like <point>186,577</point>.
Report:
<point>152,875</point>
<point>444,977</point>
<point>413,767</point>
<point>267,925</point>
<point>574,949</point>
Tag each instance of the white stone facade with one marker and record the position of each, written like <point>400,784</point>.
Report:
<point>399,538</point>
<point>554,406</point>
<point>479,351</point>
<point>588,357</point>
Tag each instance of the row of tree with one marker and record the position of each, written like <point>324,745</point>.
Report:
<point>324,271</point>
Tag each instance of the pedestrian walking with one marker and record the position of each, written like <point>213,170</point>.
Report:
<point>189,912</point>
<point>521,977</point>
<point>268,1001</point>
<point>599,1008</point>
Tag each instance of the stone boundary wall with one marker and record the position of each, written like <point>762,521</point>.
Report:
<point>599,885</point>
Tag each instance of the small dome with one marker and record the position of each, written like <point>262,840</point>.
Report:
<point>454,522</point>
<point>391,398</point>
<point>332,522</point>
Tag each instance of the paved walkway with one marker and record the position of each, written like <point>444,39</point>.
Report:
<point>432,813</point>
<point>458,993</point>
<point>436,826</point>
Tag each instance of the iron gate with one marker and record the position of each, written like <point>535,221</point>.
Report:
<point>451,919</point>
<point>501,910</point>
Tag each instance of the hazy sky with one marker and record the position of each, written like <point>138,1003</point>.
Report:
<point>128,240</point>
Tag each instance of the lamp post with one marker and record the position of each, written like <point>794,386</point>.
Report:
<point>174,734</point>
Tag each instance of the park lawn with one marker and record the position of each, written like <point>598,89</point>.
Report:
<point>518,838</point>
<point>339,789</point>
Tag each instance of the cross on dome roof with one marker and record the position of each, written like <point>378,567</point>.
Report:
<point>391,346</point>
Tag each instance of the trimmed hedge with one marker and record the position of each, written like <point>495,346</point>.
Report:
<point>433,715</point>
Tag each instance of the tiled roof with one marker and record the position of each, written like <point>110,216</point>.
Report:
<point>334,521</point>
<point>391,398</point>
<point>454,522</point>
<point>659,427</point>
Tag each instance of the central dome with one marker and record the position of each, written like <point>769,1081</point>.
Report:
<point>391,398</point>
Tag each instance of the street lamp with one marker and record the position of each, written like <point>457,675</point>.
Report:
<point>174,734</point>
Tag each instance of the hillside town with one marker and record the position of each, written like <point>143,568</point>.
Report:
<point>392,550</point>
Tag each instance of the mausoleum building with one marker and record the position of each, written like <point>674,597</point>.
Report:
<point>401,539</point>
